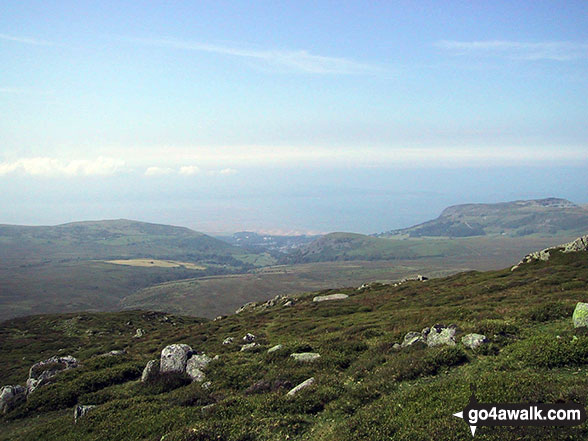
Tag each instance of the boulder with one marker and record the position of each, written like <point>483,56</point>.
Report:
<point>195,366</point>
<point>80,411</point>
<point>10,397</point>
<point>301,386</point>
<point>329,297</point>
<point>441,335</point>
<point>306,357</point>
<point>228,341</point>
<point>249,347</point>
<point>43,372</point>
<point>249,338</point>
<point>473,341</point>
<point>174,358</point>
<point>151,371</point>
<point>274,348</point>
<point>580,316</point>
<point>139,333</point>
<point>413,338</point>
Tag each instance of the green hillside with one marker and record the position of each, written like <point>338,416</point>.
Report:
<point>364,389</point>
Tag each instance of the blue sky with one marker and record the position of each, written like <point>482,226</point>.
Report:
<point>277,116</point>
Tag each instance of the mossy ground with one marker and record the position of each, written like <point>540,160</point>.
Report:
<point>364,390</point>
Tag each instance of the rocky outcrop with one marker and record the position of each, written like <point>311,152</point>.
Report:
<point>305,384</point>
<point>151,371</point>
<point>306,357</point>
<point>580,316</point>
<point>473,341</point>
<point>44,371</point>
<point>436,335</point>
<point>276,301</point>
<point>329,297</point>
<point>10,397</point>
<point>80,411</point>
<point>580,244</point>
<point>174,358</point>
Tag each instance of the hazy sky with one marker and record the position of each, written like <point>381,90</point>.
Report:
<point>285,116</point>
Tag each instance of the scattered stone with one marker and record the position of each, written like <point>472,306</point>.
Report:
<point>139,333</point>
<point>329,297</point>
<point>306,357</point>
<point>473,341</point>
<point>248,347</point>
<point>206,385</point>
<point>413,338</point>
<point>440,335</point>
<point>249,338</point>
<point>151,371</point>
<point>580,316</point>
<point>174,358</point>
<point>80,411</point>
<point>274,348</point>
<point>301,386</point>
<point>228,341</point>
<point>115,353</point>
<point>43,372</point>
<point>10,397</point>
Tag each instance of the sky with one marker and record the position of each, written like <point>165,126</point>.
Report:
<point>288,117</point>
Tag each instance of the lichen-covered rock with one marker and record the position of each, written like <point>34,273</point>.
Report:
<point>413,338</point>
<point>44,371</point>
<point>174,358</point>
<point>249,338</point>
<point>249,346</point>
<point>473,341</point>
<point>274,349</point>
<point>305,384</point>
<point>580,316</point>
<point>151,371</point>
<point>441,335</point>
<point>10,397</point>
<point>306,357</point>
<point>195,366</point>
<point>329,297</point>
<point>80,411</point>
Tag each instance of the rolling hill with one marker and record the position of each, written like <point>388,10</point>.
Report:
<point>364,386</point>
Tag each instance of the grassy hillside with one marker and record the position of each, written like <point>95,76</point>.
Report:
<point>364,389</point>
<point>549,216</point>
<point>67,267</point>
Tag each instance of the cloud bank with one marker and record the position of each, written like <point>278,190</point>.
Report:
<point>50,167</point>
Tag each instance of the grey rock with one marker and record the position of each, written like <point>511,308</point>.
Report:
<point>473,341</point>
<point>580,316</point>
<point>246,307</point>
<point>44,371</point>
<point>195,366</point>
<point>208,409</point>
<point>274,348</point>
<point>305,384</point>
<point>249,338</point>
<point>413,338</point>
<point>329,297</point>
<point>174,358</point>
<point>115,353</point>
<point>440,335</point>
<point>305,357</point>
<point>288,303</point>
<point>206,385</point>
<point>396,347</point>
<point>228,341</point>
<point>580,244</point>
<point>249,347</point>
<point>139,333</point>
<point>151,371</point>
<point>80,411</point>
<point>10,397</point>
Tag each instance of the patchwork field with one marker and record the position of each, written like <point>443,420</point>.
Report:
<point>146,262</point>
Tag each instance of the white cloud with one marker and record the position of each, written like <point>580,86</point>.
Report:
<point>25,40</point>
<point>292,60</point>
<point>227,171</point>
<point>158,171</point>
<point>546,50</point>
<point>43,166</point>
<point>189,170</point>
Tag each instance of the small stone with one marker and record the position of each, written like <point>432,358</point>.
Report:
<point>288,303</point>
<point>139,333</point>
<point>80,411</point>
<point>473,341</point>
<point>228,341</point>
<point>249,338</point>
<point>274,349</point>
<point>248,347</point>
<point>301,386</point>
<point>306,357</point>
<point>329,297</point>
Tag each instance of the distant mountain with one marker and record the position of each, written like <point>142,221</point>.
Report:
<point>549,216</point>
